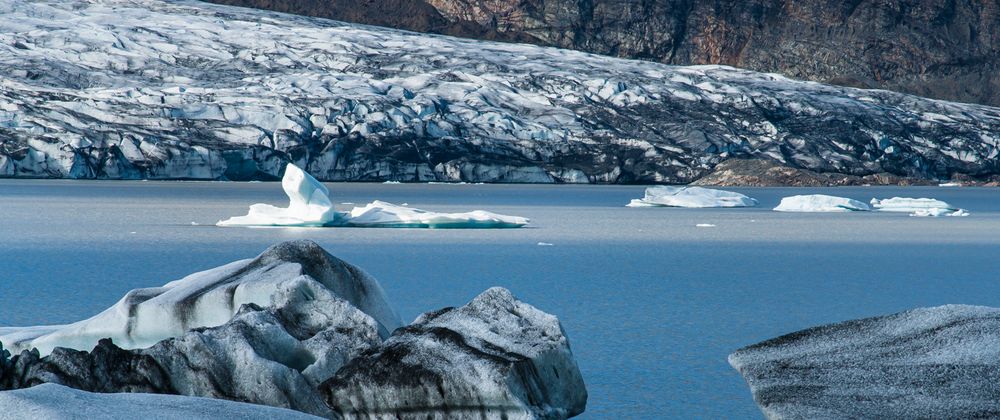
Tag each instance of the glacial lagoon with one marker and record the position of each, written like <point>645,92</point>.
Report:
<point>651,301</point>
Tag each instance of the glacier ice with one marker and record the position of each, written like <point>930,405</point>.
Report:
<point>693,197</point>
<point>192,90</point>
<point>939,362</point>
<point>210,298</point>
<point>310,206</point>
<point>922,207</point>
<point>819,203</point>
<point>52,401</point>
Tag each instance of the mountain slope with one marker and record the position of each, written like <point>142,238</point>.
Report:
<point>941,49</point>
<point>150,89</point>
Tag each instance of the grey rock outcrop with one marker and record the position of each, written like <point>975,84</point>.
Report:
<point>495,357</point>
<point>939,362</point>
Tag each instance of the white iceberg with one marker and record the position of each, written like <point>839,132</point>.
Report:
<point>819,203</point>
<point>52,401</point>
<point>310,206</point>
<point>382,214</point>
<point>691,197</point>
<point>211,298</point>
<point>923,207</point>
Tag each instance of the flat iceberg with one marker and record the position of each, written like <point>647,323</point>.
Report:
<point>691,197</point>
<point>382,214</point>
<point>309,205</point>
<point>819,203</point>
<point>923,207</point>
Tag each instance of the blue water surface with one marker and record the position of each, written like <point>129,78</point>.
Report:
<point>652,304</point>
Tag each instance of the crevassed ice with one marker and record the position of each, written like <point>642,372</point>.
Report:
<point>819,203</point>
<point>923,207</point>
<point>692,197</point>
<point>310,206</point>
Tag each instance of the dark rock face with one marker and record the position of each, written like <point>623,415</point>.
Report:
<point>925,363</point>
<point>940,49</point>
<point>765,173</point>
<point>495,357</point>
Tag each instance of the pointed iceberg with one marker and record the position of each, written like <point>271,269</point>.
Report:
<point>691,197</point>
<point>308,204</point>
<point>819,203</point>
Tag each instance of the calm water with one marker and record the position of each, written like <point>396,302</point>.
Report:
<point>651,303</point>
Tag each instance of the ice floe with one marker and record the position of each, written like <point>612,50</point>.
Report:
<point>819,203</point>
<point>310,206</point>
<point>51,401</point>
<point>921,207</point>
<point>691,197</point>
<point>382,214</point>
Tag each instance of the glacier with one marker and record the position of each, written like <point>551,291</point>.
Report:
<point>310,206</point>
<point>819,203</point>
<point>129,89</point>
<point>921,207</point>
<point>691,197</point>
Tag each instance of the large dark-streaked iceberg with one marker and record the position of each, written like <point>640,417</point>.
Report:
<point>495,357</point>
<point>309,205</point>
<point>941,362</point>
<point>297,328</point>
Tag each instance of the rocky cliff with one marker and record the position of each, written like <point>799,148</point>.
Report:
<point>940,49</point>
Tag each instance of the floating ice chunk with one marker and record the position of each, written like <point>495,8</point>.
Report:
<point>545,244</point>
<point>939,212</point>
<point>308,204</point>
<point>57,401</point>
<point>951,184</point>
<point>704,225</point>
<point>692,197</point>
<point>383,214</point>
<point>918,207</point>
<point>392,182</point>
<point>819,203</point>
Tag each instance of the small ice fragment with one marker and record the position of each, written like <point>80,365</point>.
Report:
<point>545,244</point>
<point>950,184</point>
<point>392,182</point>
<point>819,203</point>
<point>194,223</point>
<point>691,197</point>
<point>347,203</point>
<point>131,233</point>
<point>937,212</point>
<point>706,225</point>
<point>923,207</point>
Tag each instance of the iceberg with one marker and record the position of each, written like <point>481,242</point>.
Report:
<point>924,207</point>
<point>309,205</point>
<point>382,214</point>
<point>54,401</point>
<point>691,197</point>
<point>819,203</point>
<point>938,362</point>
<point>211,298</point>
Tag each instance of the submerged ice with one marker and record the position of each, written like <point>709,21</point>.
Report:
<point>692,197</point>
<point>819,203</point>
<point>310,206</point>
